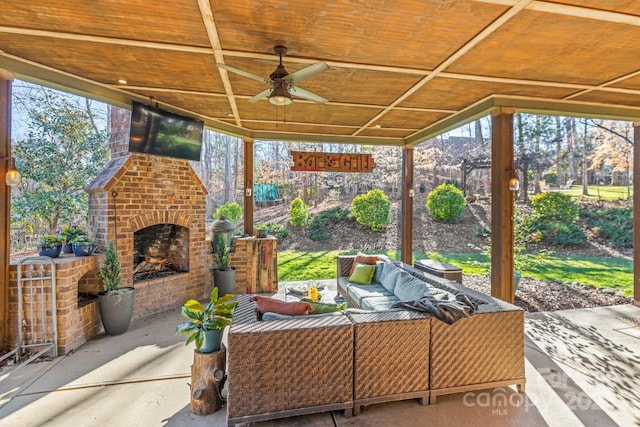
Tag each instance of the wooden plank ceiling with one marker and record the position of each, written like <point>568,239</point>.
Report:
<point>399,71</point>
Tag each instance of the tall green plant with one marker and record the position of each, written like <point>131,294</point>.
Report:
<point>446,203</point>
<point>110,273</point>
<point>222,255</point>
<point>299,212</point>
<point>372,209</point>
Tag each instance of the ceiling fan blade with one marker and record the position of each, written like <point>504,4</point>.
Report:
<point>306,72</point>
<point>261,95</point>
<point>243,73</point>
<point>305,94</point>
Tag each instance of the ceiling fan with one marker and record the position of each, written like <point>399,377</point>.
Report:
<point>282,84</point>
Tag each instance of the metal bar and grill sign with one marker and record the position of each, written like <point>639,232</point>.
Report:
<point>305,161</point>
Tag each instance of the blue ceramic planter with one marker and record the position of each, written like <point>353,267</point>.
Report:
<point>50,251</point>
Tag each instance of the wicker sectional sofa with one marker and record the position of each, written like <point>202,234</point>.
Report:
<point>321,363</point>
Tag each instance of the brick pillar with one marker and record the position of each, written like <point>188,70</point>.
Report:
<point>119,126</point>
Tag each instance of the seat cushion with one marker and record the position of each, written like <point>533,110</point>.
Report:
<point>357,292</point>
<point>378,303</point>
<point>389,276</point>
<point>409,288</point>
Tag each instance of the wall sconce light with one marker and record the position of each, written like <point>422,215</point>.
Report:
<point>514,184</point>
<point>13,176</point>
<point>248,192</point>
<point>411,193</point>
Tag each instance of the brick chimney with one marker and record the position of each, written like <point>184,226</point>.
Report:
<point>119,137</point>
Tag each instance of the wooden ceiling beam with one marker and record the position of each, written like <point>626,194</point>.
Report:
<point>330,63</point>
<point>585,13</point>
<point>604,86</point>
<point>104,40</point>
<point>482,35</point>
<point>572,10</point>
<point>214,39</point>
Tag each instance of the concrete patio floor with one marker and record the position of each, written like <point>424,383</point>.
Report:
<point>582,367</point>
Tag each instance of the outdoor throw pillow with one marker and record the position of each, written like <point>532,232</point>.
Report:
<point>273,305</point>
<point>363,259</point>
<point>362,274</point>
<point>321,307</point>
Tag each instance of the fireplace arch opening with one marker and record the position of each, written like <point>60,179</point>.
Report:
<point>160,250</point>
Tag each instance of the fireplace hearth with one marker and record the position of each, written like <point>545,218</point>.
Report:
<point>160,250</point>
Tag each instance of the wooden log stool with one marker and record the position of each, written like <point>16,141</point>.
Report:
<point>207,380</point>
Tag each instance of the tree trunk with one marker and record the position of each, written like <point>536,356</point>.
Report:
<point>571,149</point>
<point>558,150</point>
<point>227,170</point>
<point>585,164</point>
<point>207,376</point>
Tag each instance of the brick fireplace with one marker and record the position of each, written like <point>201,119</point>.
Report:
<point>153,208</point>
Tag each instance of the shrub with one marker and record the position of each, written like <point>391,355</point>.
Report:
<point>555,206</point>
<point>318,226</point>
<point>568,234</point>
<point>299,212</point>
<point>446,203</point>
<point>372,209</point>
<point>232,211</point>
<point>612,224</point>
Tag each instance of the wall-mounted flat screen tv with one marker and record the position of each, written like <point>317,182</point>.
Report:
<point>154,131</point>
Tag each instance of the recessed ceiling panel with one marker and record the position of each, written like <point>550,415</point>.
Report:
<point>297,128</point>
<point>555,48</point>
<point>456,94</point>
<point>107,63</point>
<point>385,133</point>
<point>409,119</point>
<point>306,112</point>
<point>609,97</point>
<point>215,107</point>
<point>620,6</point>
<point>176,21</point>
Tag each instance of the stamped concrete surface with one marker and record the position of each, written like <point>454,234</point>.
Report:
<point>582,369</point>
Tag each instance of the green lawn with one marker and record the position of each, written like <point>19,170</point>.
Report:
<point>601,192</point>
<point>600,272</point>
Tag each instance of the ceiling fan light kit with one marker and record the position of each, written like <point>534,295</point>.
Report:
<point>280,94</point>
<point>282,84</point>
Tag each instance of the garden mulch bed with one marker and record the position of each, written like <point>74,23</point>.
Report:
<point>536,295</point>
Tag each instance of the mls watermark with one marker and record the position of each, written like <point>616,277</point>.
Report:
<point>502,400</point>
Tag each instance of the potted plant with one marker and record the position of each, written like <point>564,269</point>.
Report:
<point>82,246</point>
<point>69,233</point>
<point>224,276</point>
<point>50,245</point>
<point>115,303</point>
<point>206,324</point>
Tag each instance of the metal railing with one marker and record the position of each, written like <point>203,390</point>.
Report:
<point>37,322</point>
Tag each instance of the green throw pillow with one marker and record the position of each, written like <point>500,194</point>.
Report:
<point>321,307</point>
<point>362,274</point>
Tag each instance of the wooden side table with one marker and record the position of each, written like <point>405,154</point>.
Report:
<point>207,380</point>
